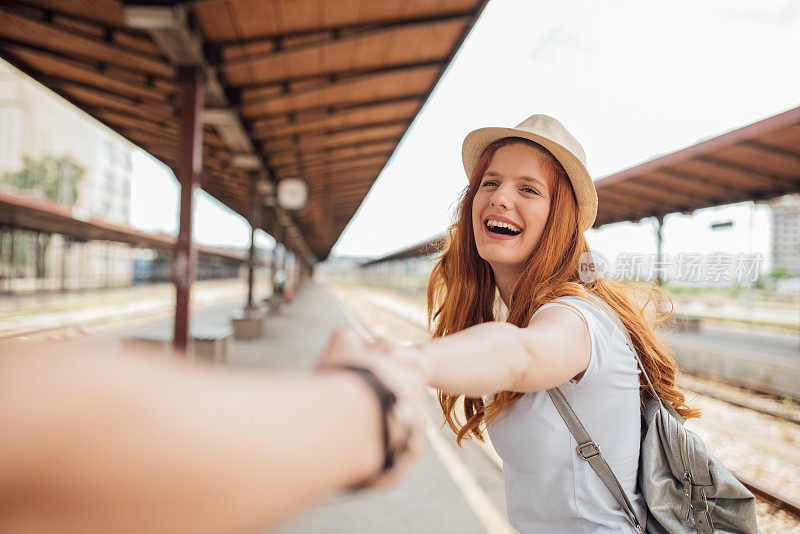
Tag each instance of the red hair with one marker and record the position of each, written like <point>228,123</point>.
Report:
<point>461,293</point>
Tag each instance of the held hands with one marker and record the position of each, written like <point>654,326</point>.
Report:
<point>403,374</point>
<point>346,347</point>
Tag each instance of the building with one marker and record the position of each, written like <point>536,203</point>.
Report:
<point>786,234</point>
<point>36,123</point>
<point>50,149</point>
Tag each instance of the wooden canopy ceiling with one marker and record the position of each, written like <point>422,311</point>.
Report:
<point>756,162</point>
<point>323,90</point>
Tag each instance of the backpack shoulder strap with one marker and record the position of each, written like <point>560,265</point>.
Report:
<point>589,451</point>
<point>629,342</point>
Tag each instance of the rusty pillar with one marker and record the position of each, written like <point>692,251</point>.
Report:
<point>284,251</point>
<point>251,268</point>
<point>107,250</point>
<point>251,264</point>
<point>302,271</point>
<point>37,259</point>
<point>190,150</point>
<point>2,255</point>
<point>12,261</point>
<point>65,247</point>
<point>273,274</point>
<point>659,250</point>
<point>278,258</point>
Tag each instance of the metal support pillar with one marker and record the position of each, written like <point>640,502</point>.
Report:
<point>4,277</point>
<point>65,246</point>
<point>37,260</point>
<point>108,263</point>
<point>254,220</point>
<point>284,252</point>
<point>659,242</point>
<point>251,268</point>
<point>45,242</point>
<point>274,267</point>
<point>288,267</point>
<point>190,150</point>
<point>748,284</point>
<point>12,262</point>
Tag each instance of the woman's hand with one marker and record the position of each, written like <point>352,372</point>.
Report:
<point>409,356</point>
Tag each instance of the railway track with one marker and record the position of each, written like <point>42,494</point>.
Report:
<point>762,491</point>
<point>58,324</point>
<point>790,506</point>
<point>74,329</point>
<point>737,396</point>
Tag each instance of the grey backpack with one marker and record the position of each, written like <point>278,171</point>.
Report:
<point>687,490</point>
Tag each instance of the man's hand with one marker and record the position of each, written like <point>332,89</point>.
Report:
<point>345,347</point>
<point>402,374</point>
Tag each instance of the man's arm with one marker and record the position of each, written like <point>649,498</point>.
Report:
<point>96,443</point>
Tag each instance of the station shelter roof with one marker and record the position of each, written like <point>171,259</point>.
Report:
<point>426,248</point>
<point>759,161</point>
<point>323,90</point>
<point>756,162</point>
<point>40,215</point>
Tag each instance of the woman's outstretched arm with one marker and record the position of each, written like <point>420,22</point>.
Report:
<point>497,356</point>
<point>97,443</point>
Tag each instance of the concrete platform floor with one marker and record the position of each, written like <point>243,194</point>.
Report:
<point>426,501</point>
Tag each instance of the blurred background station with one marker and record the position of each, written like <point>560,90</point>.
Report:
<point>232,179</point>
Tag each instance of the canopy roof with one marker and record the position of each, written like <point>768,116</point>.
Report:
<point>318,89</point>
<point>425,248</point>
<point>756,162</point>
<point>42,215</point>
<point>759,161</point>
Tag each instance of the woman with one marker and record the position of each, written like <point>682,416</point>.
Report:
<point>519,232</point>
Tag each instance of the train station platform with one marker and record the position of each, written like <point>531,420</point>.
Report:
<point>427,500</point>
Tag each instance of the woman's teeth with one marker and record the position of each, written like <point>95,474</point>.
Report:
<point>504,228</point>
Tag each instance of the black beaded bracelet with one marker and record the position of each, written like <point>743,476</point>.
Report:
<point>387,400</point>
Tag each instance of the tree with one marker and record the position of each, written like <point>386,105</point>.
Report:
<point>778,273</point>
<point>50,177</point>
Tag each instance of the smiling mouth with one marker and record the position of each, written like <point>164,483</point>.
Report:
<point>502,228</point>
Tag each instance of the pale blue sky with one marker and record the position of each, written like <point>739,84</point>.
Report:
<point>631,79</point>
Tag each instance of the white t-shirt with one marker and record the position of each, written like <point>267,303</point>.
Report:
<point>549,488</point>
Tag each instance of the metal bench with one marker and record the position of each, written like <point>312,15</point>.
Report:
<point>210,341</point>
<point>248,323</point>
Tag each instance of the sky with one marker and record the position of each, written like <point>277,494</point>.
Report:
<point>154,208</point>
<point>631,80</point>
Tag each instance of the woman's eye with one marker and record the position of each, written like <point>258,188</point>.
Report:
<point>489,182</point>
<point>530,190</point>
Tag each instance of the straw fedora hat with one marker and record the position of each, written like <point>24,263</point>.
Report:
<point>553,136</point>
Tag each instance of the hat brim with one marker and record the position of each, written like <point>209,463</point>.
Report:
<point>585,194</point>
